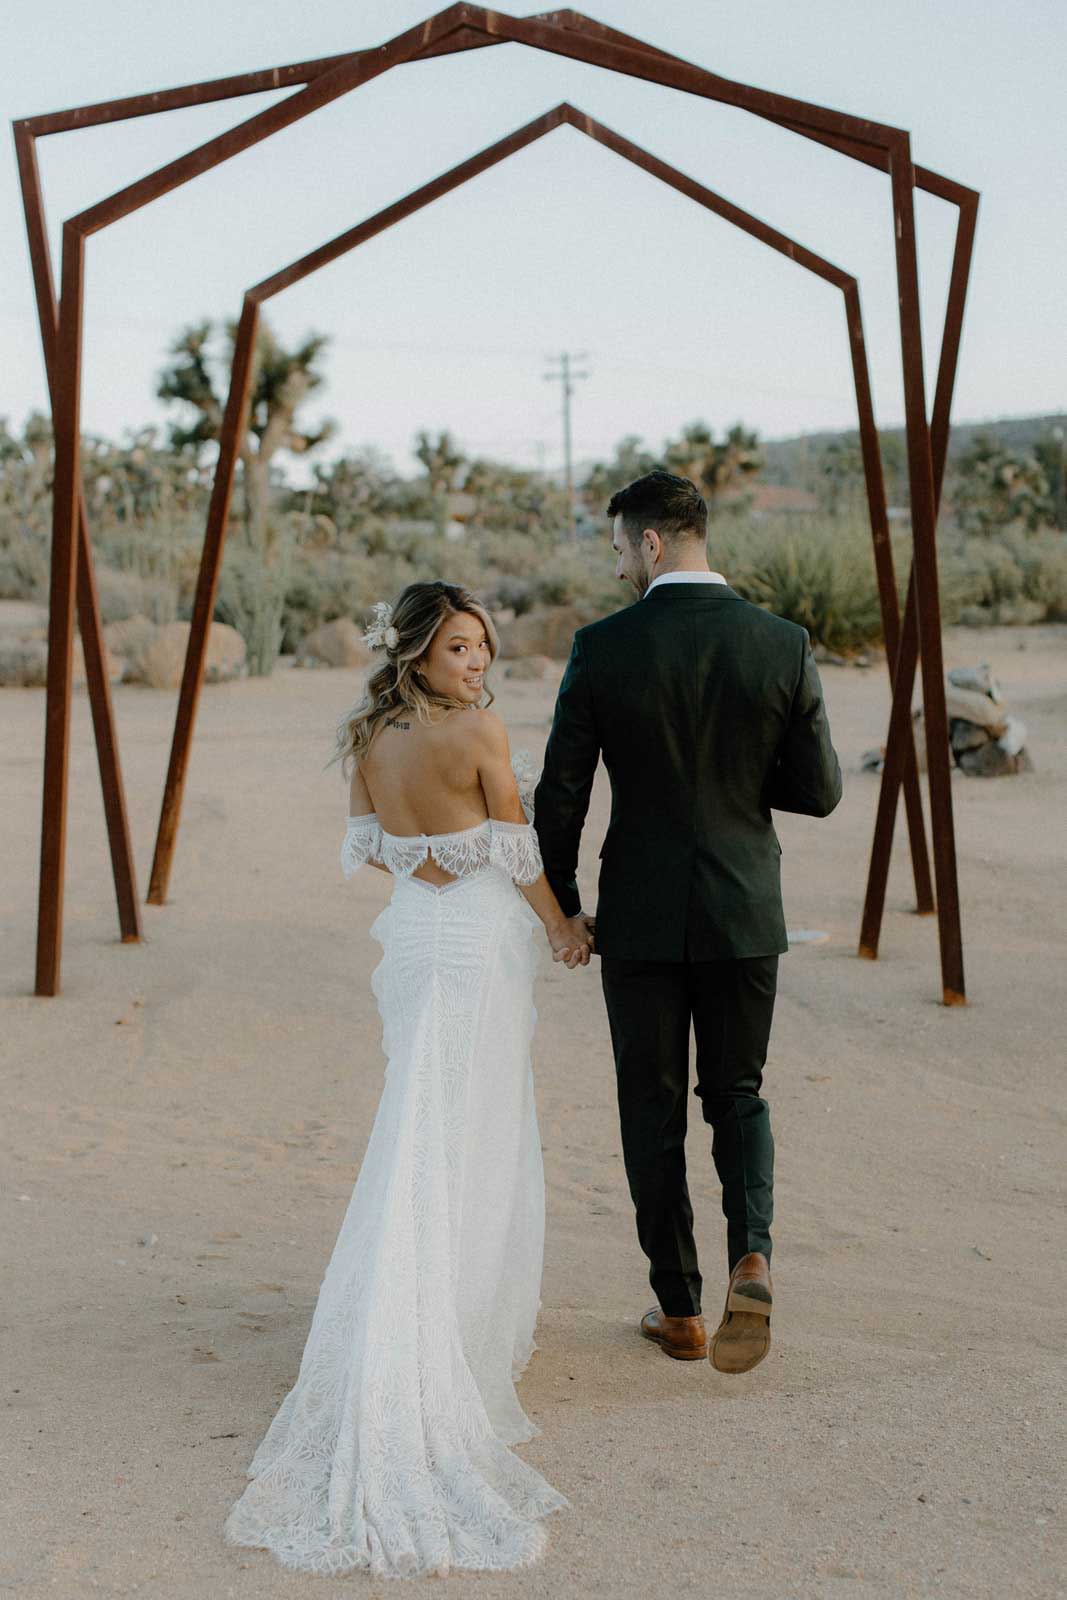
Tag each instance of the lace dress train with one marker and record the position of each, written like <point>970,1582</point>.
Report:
<point>391,1451</point>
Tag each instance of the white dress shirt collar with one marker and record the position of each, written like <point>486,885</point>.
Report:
<point>685,577</point>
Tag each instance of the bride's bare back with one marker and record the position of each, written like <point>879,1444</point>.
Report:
<point>440,777</point>
<point>452,773</point>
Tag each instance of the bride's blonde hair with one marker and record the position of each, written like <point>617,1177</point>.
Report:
<point>398,684</point>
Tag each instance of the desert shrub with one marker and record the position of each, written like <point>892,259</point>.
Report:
<point>516,555</point>
<point>818,575</point>
<point>961,583</point>
<point>24,572</point>
<point>127,594</point>
<point>1042,558</point>
<point>452,561</point>
<point>336,583</point>
<point>505,593</point>
<point>997,574</point>
<point>1017,577</point>
<point>517,572</point>
<point>581,575</point>
<point>251,595</point>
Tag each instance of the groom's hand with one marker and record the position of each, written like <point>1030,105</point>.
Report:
<point>571,941</point>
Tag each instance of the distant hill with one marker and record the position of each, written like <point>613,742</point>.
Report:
<point>796,462</point>
<point>793,461</point>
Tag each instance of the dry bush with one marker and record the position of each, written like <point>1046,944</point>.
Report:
<point>818,574</point>
<point>128,594</point>
<point>1018,577</point>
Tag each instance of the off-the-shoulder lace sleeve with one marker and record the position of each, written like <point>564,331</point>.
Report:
<point>513,847</point>
<point>362,842</point>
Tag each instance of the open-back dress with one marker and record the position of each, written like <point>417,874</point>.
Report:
<point>391,1450</point>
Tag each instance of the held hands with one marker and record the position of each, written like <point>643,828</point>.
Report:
<point>572,940</point>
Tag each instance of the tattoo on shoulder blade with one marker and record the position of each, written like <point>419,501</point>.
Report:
<point>394,724</point>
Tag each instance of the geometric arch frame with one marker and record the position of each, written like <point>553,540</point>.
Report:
<point>569,34</point>
<point>236,409</point>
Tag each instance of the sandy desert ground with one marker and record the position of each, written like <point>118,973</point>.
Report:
<point>211,1091</point>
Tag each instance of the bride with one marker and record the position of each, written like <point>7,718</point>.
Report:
<point>391,1452</point>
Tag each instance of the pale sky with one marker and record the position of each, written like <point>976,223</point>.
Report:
<point>448,319</point>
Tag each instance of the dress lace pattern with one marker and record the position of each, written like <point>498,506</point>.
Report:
<point>391,1450</point>
<point>511,846</point>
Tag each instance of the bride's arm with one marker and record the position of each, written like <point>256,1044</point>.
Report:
<point>360,804</point>
<point>568,937</point>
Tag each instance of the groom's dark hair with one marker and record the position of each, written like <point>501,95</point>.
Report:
<point>673,506</point>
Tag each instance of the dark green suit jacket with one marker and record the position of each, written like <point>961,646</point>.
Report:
<point>708,713</point>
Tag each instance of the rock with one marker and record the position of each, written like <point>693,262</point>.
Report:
<point>114,665</point>
<point>1013,739</point>
<point>827,658</point>
<point>980,679</point>
<point>335,644</point>
<point>873,760</point>
<point>545,631</point>
<point>226,652</point>
<point>129,639</point>
<point>966,705</point>
<point>993,761</point>
<point>530,667</point>
<point>162,661</point>
<point>24,663</point>
<point>967,735</point>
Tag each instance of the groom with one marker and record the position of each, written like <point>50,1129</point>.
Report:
<point>708,713</point>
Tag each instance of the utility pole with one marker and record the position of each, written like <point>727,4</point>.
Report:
<point>1061,480</point>
<point>568,377</point>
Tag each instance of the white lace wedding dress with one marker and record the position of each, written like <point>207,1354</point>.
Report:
<point>391,1452</point>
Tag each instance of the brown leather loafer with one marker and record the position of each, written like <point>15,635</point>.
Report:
<point>684,1338</point>
<point>743,1337</point>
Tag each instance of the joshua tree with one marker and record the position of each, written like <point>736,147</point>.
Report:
<point>841,472</point>
<point>281,382</point>
<point>254,580</point>
<point>714,467</point>
<point>631,460</point>
<point>515,500</point>
<point>995,486</point>
<point>442,458</point>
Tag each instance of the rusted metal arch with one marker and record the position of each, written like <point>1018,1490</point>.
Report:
<point>460,27</point>
<point>235,418</point>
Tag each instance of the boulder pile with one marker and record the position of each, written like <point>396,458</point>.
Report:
<point>986,740</point>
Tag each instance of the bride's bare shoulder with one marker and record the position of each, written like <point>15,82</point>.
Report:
<point>479,729</point>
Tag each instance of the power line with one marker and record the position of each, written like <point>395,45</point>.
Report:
<point>567,377</point>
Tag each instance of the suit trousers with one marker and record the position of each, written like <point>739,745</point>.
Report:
<point>729,1004</point>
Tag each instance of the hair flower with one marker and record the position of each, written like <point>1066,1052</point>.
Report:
<point>381,635</point>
